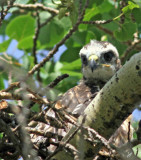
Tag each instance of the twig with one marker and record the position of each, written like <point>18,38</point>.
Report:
<point>98,136</point>
<point>12,86</point>
<point>123,3</point>
<point>35,38</point>
<point>55,49</point>
<point>137,151</point>
<point>5,95</point>
<point>38,97</point>
<point>4,12</point>
<point>52,121</point>
<point>97,22</point>
<point>43,133</point>
<point>37,30</point>
<point>37,6</point>
<point>129,131</point>
<point>57,80</point>
<point>80,7</point>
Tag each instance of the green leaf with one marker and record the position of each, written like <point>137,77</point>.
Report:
<point>51,34</point>
<point>28,61</point>
<point>68,83</point>
<point>73,73</point>
<point>126,31</point>
<point>75,65</point>
<point>104,7</point>
<point>137,14</point>
<point>3,2</point>
<point>70,54</point>
<point>3,27</point>
<point>90,35</point>
<point>138,2</point>
<point>27,43</point>
<point>73,14</point>
<point>21,27</point>
<point>58,66</point>
<point>43,73</point>
<point>138,147</point>
<point>44,16</point>
<point>1,135</point>
<point>81,38</point>
<point>49,66</point>
<point>129,7</point>
<point>1,83</point>
<point>134,135</point>
<point>22,1</point>
<point>91,13</point>
<point>36,108</point>
<point>5,45</point>
<point>62,12</point>
<point>52,94</point>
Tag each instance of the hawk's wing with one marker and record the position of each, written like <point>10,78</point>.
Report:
<point>76,99</point>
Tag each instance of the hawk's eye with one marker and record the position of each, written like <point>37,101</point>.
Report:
<point>84,59</point>
<point>108,56</point>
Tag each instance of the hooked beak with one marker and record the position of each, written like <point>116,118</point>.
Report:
<point>92,62</point>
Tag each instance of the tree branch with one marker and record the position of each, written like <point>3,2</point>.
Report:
<point>36,7</point>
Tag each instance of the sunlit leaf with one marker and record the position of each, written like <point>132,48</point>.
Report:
<point>129,7</point>
<point>126,31</point>
<point>1,83</point>
<point>5,45</point>
<point>27,43</point>
<point>21,27</point>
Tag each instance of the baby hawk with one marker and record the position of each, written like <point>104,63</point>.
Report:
<point>100,61</point>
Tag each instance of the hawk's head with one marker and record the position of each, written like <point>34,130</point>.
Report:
<point>100,60</point>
